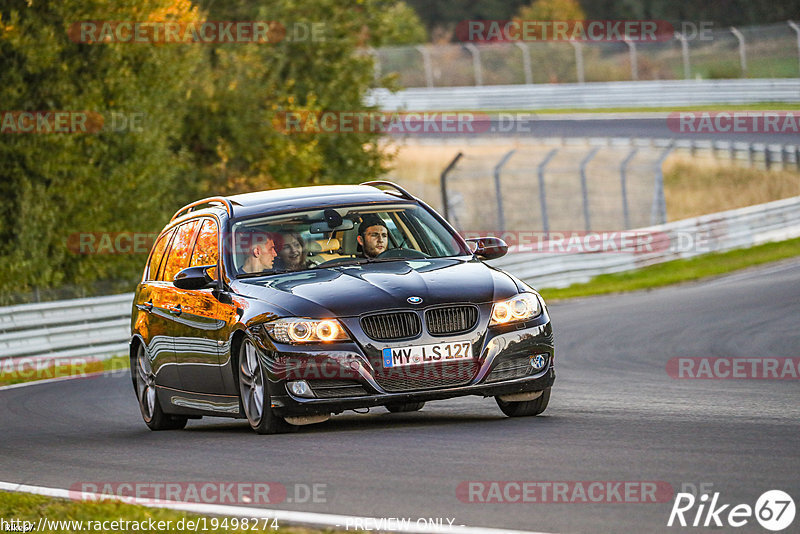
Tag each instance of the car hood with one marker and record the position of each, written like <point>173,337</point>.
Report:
<point>348,291</point>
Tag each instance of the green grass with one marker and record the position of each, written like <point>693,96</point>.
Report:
<point>22,370</point>
<point>27,507</point>
<point>677,271</point>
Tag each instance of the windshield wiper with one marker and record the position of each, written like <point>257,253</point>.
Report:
<point>262,273</point>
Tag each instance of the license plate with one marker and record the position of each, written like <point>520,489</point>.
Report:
<point>421,354</point>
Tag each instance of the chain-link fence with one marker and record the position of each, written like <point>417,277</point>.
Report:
<point>770,51</point>
<point>576,184</point>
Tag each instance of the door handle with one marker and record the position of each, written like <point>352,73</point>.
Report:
<point>147,306</point>
<point>176,310</point>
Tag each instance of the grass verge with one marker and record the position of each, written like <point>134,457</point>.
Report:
<point>677,271</point>
<point>20,370</point>
<point>31,508</point>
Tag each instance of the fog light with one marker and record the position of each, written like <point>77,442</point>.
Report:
<point>300,388</point>
<point>539,362</point>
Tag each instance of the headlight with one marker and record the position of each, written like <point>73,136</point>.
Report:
<point>296,330</point>
<point>520,308</point>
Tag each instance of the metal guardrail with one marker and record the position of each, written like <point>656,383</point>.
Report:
<point>717,232</point>
<point>589,95</point>
<point>100,327</point>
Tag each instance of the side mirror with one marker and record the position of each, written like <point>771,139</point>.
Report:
<point>195,278</point>
<point>488,248</point>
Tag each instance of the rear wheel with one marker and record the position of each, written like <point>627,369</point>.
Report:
<point>405,407</point>
<point>254,393</point>
<point>145,380</point>
<point>525,408</point>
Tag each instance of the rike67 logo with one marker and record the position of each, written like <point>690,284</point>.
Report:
<point>774,510</point>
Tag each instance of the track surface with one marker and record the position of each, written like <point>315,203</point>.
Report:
<point>614,415</point>
<point>646,126</point>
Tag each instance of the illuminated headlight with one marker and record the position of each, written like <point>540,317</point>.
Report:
<point>520,308</point>
<point>297,330</point>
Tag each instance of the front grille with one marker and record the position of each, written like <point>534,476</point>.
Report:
<point>332,389</point>
<point>451,320</point>
<point>423,377</point>
<point>512,367</point>
<point>397,325</point>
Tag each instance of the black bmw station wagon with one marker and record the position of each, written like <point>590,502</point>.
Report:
<point>284,307</point>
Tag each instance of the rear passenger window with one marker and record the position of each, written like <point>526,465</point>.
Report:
<point>178,257</point>
<point>157,255</point>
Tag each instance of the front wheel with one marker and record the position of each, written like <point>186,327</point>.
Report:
<point>145,380</point>
<point>254,394</point>
<point>525,408</point>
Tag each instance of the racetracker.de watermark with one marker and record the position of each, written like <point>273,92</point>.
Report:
<point>206,492</point>
<point>47,367</point>
<point>564,491</point>
<point>588,31</point>
<point>587,242</point>
<point>198,32</point>
<point>734,368</point>
<point>734,122</point>
<point>69,122</point>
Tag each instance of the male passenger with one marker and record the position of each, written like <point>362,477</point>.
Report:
<point>373,235</point>
<point>258,248</point>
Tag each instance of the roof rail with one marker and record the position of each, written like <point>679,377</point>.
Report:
<point>403,192</point>
<point>210,200</point>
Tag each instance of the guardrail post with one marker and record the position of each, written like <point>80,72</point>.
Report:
<point>585,189</point>
<point>658,214</point>
<point>443,185</point>
<point>542,195</point>
<point>623,183</point>
<point>634,64</point>
<point>501,216</point>
<point>796,29</point>
<point>426,62</point>
<point>526,62</point>
<point>742,54</point>
<point>476,62</point>
<point>579,60</point>
<point>687,71</point>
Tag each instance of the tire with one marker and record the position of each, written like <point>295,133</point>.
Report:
<point>254,393</point>
<point>405,407</point>
<point>525,408</point>
<point>145,382</point>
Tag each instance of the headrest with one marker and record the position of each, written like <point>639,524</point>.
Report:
<point>323,245</point>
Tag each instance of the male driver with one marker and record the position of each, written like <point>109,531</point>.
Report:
<point>373,236</point>
<point>259,252</point>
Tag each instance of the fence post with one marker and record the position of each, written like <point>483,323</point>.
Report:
<point>426,62</point>
<point>634,64</point>
<point>476,62</point>
<point>585,188</point>
<point>526,62</point>
<point>443,184</point>
<point>542,195</point>
<point>658,214</point>
<point>687,70</point>
<point>796,29</point>
<point>579,60</point>
<point>623,182</point>
<point>376,64</point>
<point>742,54</point>
<point>501,216</point>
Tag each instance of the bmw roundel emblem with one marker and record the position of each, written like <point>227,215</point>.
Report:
<point>414,300</point>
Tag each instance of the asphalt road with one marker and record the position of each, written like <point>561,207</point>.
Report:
<point>642,126</point>
<point>615,415</point>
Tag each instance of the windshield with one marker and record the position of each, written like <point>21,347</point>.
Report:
<point>335,237</point>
